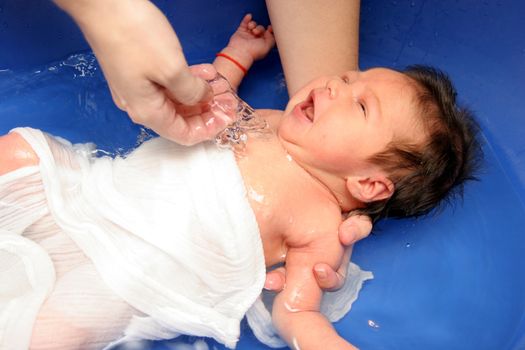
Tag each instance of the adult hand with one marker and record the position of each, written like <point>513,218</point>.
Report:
<point>143,62</point>
<point>194,124</point>
<point>353,229</point>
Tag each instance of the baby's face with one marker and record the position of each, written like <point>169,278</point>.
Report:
<point>336,123</point>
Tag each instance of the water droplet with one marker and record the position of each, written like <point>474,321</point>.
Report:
<point>408,245</point>
<point>259,198</point>
<point>372,324</point>
<point>412,4</point>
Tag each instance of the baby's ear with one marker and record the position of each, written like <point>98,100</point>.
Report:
<point>370,189</point>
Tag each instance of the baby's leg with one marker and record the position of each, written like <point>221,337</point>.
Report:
<point>15,153</point>
<point>81,313</point>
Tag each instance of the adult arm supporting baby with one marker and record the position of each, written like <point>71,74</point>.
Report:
<point>295,312</point>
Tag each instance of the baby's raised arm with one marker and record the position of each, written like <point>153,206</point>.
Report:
<point>296,308</point>
<point>250,42</point>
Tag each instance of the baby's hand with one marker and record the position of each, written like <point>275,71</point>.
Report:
<point>252,38</point>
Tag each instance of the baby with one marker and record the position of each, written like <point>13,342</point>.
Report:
<point>175,239</point>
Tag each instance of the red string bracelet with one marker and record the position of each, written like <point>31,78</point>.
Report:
<point>233,60</point>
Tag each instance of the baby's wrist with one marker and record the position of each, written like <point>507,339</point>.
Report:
<point>237,57</point>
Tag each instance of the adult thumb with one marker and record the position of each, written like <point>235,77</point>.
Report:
<point>189,89</point>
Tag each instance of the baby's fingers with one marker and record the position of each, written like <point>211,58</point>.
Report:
<point>258,30</point>
<point>252,26</point>
<point>268,36</point>
<point>246,20</point>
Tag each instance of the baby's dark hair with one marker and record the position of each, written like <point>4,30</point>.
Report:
<point>427,175</point>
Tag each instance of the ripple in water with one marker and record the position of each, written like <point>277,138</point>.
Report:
<point>69,98</point>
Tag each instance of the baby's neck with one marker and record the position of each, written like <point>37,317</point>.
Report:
<point>268,146</point>
<point>280,191</point>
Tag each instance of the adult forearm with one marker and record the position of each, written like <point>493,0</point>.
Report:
<point>308,330</point>
<point>80,10</point>
<point>315,37</point>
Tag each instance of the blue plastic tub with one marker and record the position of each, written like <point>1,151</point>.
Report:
<point>451,281</point>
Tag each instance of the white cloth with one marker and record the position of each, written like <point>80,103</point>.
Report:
<point>157,244</point>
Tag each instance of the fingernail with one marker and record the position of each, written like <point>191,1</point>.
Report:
<point>320,273</point>
<point>268,284</point>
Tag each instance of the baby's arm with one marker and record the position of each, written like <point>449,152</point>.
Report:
<point>249,43</point>
<point>296,309</point>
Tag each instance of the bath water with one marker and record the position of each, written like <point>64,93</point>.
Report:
<point>69,98</point>
<point>73,92</point>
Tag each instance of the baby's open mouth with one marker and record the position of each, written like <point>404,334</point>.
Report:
<point>307,107</point>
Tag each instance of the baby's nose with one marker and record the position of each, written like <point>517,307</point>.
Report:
<point>333,86</point>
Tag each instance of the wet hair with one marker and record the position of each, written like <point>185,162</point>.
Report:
<point>429,174</point>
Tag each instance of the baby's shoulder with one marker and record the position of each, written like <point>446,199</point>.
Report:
<point>317,239</point>
<point>313,225</point>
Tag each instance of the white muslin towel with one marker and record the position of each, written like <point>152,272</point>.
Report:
<point>167,232</point>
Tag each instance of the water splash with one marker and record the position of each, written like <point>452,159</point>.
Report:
<point>228,105</point>
<point>143,136</point>
<point>82,64</point>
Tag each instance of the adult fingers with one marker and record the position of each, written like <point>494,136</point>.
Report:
<point>275,279</point>
<point>116,99</point>
<point>205,71</point>
<point>354,228</point>
<point>186,88</point>
<point>327,278</point>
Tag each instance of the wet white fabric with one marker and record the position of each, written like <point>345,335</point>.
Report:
<point>168,230</point>
<point>27,278</point>
<point>157,244</point>
<point>50,294</point>
<point>26,270</point>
